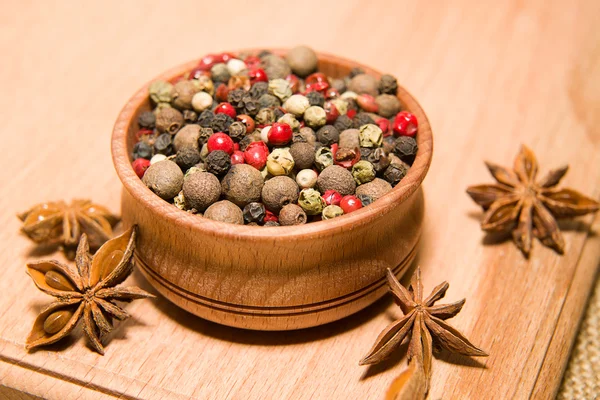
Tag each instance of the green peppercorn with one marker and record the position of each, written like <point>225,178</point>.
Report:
<point>225,211</point>
<point>160,92</point>
<point>179,200</point>
<point>303,155</point>
<point>370,135</point>
<point>364,83</point>
<point>290,120</point>
<point>292,214</point>
<point>218,162</point>
<point>183,93</point>
<point>376,188</point>
<point>278,192</point>
<point>332,211</point>
<point>164,178</point>
<point>311,201</point>
<point>323,158</point>
<point>388,105</point>
<point>265,116</point>
<point>336,178</point>
<point>169,120</point>
<point>280,162</point>
<point>242,185</point>
<point>296,105</point>
<point>394,173</point>
<point>363,172</point>
<point>315,117</point>
<point>187,137</point>
<point>280,88</point>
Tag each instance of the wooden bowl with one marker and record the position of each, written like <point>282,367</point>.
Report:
<point>275,278</point>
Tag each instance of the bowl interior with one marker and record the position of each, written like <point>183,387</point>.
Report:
<point>126,127</point>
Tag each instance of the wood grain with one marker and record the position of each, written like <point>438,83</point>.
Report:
<point>488,76</point>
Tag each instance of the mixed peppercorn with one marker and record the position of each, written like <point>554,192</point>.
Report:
<point>260,139</point>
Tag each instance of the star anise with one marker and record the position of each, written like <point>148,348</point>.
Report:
<point>59,223</point>
<point>87,293</point>
<point>519,204</point>
<point>424,324</point>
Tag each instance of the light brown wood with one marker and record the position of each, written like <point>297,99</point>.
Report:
<point>489,77</point>
<point>272,278</point>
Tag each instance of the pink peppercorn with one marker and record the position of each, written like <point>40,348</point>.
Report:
<point>351,113</point>
<point>384,125</point>
<point>256,155</point>
<point>294,82</point>
<point>280,134</point>
<point>350,203</point>
<point>226,108</point>
<point>248,121</point>
<point>140,166</point>
<point>252,62</point>
<point>269,216</point>
<point>257,75</point>
<point>224,57</point>
<point>141,133</point>
<point>331,112</point>
<point>367,103</point>
<point>220,141</point>
<point>221,92</point>
<point>237,158</point>
<point>208,61</point>
<point>405,124</point>
<point>332,197</point>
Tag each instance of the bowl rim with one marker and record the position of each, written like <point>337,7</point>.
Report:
<point>134,185</point>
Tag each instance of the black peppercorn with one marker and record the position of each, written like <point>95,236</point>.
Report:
<point>379,159</point>
<point>237,131</point>
<point>251,106</point>
<point>254,212</point>
<point>164,144</point>
<point>315,99</point>
<point>245,142</point>
<point>221,122</point>
<point>365,153</point>
<point>361,119</point>
<point>388,85</point>
<point>365,199</point>
<point>235,96</point>
<point>187,157</point>
<point>190,116</point>
<point>328,135</point>
<point>352,105</point>
<point>147,120</point>
<point>394,173</point>
<point>205,119</point>
<point>356,71</point>
<point>278,113</point>
<point>218,162</point>
<point>388,143</point>
<point>342,123</point>
<point>204,134</point>
<point>258,89</point>
<point>268,101</point>
<point>406,148</point>
<point>142,150</point>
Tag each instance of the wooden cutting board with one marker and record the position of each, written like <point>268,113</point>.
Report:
<point>489,77</point>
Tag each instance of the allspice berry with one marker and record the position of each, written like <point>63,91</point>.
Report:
<point>242,185</point>
<point>187,137</point>
<point>164,178</point>
<point>225,211</point>
<point>279,192</point>
<point>306,135</point>
<point>169,120</point>
<point>376,188</point>
<point>275,67</point>
<point>364,83</point>
<point>292,214</point>
<point>183,93</point>
<point>303,155</point>
<point>200,190</point>
<point>349,139</point>
<point>388,105</point>
<point>336,178</point>
<point>302,60</point>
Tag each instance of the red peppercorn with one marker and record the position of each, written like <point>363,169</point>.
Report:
<point>351,113</point>
<point>257,75</point>
<point>350,203</point>
<point>256,155</point>
<point>140,166</point>
<point>141,133</point>
<point>332,93</point>
<point>236,146</point>
<point>220,141</point>
<point>294,82</point>
<point>248,121</point>
<point>197,72</point>
<point>252,62</point>
<point>405,124</point>
<point>226,108</point>
<point>221,92</point>
<point>317,77</point>
<point>345,160</point>
<point>332,197</point>
<point>269,216</point>
<point>384,125</point>
<point>331,112</point>
<point>367,103</point>
<point>224,57</point>
<point>280,134</point>
<point>237,157</point>
<point>208,61</point>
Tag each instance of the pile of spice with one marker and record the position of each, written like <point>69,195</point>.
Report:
<point>260,139</point>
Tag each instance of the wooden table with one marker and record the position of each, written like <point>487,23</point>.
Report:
<point>489,77</point>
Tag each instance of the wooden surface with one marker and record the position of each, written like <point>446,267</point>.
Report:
<point>489,78</point>
<point>281,278</point>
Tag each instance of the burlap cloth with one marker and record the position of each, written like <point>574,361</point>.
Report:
<point>582,377</point>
